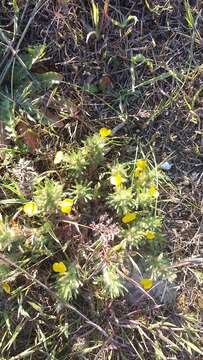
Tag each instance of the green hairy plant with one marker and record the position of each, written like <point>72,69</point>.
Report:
<point>131,200</point>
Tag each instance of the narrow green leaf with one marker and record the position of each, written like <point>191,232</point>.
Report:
<point>7,113</point>
<point>188,14</point>
<point>95,13</point>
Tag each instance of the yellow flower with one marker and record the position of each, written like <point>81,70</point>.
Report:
<point>153,191</point>
<point>146,283</point>
<point>59,267</point>
<point>128,217</point>
<point>30,208</point>
<point>66,206</point>
<point>58,157</point>
<point>138,172</point>
<point>117,180</point>
<point>141,164</point>
<point>104,132</point>
<point>150,235</point>
<point>6,287</point>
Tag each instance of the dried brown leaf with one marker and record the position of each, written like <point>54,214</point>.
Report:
<point>28,136</point>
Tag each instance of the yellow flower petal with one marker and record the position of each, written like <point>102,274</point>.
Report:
<point>66,209</point>
<point>150,235</point>
<point>153,191</point>
<point>146,283</point>
<point>6,287</point>
<point>68,202</point>
<point>117,180</point>
<point>59,267</point>
<point>138,172</point>
<point>66,206</point>
<point>30,208</point>
<point>141,164</point>
<point>58,157</point>
<point>128,217</point>
<point>104,132</point>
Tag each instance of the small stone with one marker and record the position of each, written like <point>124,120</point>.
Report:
<point>166,166</point>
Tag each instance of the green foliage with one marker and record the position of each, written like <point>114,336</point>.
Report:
<point>34,54</point>
<point>15,6</point>
<point>28,58</point>
<point>94,149</point>
<point>4,271</point>
<point>129,21</point>
<point>47,195</point>
<point>89,155</point>
<point>113,283</point>
<point>82,190</point>
<point>23,87</point>
<point>68,284</point>
<point>7,113</point>
<point>131,192</point>
<point>135,233</point>
<point>95,13</point>
<point>159,267</point>
<point>39,240</point>
<point>45,81</point>
<point>119,169</point>
<point>75,162</point>
<point>188,14</point>
<point>141,59</point>
<point>122,199</point>
<point>8,235</point>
